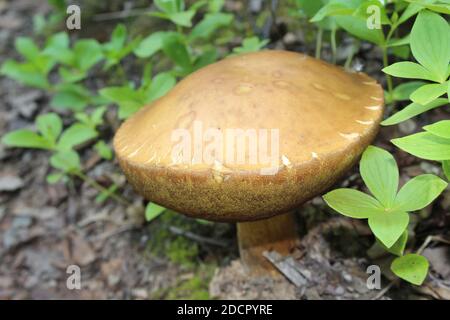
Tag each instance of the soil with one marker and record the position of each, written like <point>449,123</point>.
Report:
<point>46,228</point>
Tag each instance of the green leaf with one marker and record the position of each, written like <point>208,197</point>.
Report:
<point>58,41</point>
<point>152,211</point>
<point>446,168</point>
<point>215,5</point>
<point>161,84</point>
<point>207,57</point>
<point>310,8</point>
<point>150,45</point>
<point>251,44</point>
<point>183,19</point>
<point>54,177</point>
<point>75,135</point>
<point>412,110</point>
<point>25,73</point>
<point>380,173</point>
<point>50,126</point>
<point>104,195</point>
<point>170,5</point>
<point>411,267</point>
<point>389,226</point>
<point>212,21</point>
<point>425,145</point>
<point>409,70</point>
<point>448,88</point>
<point>403,91</point>
<point>419,192</point>
<point>57,48</point>
<point>409,12</point>
<point>26,139</point>
<point>395,42</point>
<point>176,50</point>
<point>364,11</point>
<point>67,161</point>
<point>402,52</point>
<point>440,129</point>
<point>118,37</point>
<point>97,116</point>
<point>103,150</point>
<point>430,43</point>
<point>399,246</point>
<point>440,8</point>
<point>88,52</point>
<point>71,75</point>
<point>27,48</point>
<point>71,96</point>
<point>331,9</point>
<point>128,99</point>
<point>428,93</point>
<point>358,27</point>
<point>353,203</point>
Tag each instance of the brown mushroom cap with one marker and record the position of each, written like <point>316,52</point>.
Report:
<point>325,118</point>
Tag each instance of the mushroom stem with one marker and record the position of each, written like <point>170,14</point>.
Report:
<point>278,233</point>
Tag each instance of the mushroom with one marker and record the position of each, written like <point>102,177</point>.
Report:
<point>299,124</point>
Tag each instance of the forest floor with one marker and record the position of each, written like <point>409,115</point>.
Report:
<point>45,228</point>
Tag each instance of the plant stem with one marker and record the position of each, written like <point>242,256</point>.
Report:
<point>386,60</point>
<point>333,46</point>
<point>319,43</point>
<point>100,188</point>
<point>388,77</point>
<point>355,47</point>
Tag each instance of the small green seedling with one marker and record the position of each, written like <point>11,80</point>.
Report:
<point>387,208</point>
<point>76,61</point>
<point>34,70</point>
<point>176,11</point>
<point>131,100</point>
<point>430,46</point>
<point>431,144</point>
<point>118,48</point>
<point>50,136</point>
<point>251,44</point>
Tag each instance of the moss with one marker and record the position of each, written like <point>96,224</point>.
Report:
<point>177,249</point>
<point>195,288</point>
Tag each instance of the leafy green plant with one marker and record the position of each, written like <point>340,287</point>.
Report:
<point>34,70</point>
<point>43,24</point>
<point>176,11</point>
<point>310,9</point>
<point>352,16</point>
<point>251,44</point>
<point>387,208</point>
<point>118,47</point>
<point>130,99</point>
<point>430,46</point>
<point>431,144</point>
<point>62,144</point>
<point>177,45</point>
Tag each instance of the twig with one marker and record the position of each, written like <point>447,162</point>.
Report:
<point>109,234</point>
<point>430,239</point>
<point>120,14</point>
<point>427,241</point>
<point>101,189</point>
<point>385,289</point>
<point>196,237</point>
<point>286,266</point>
